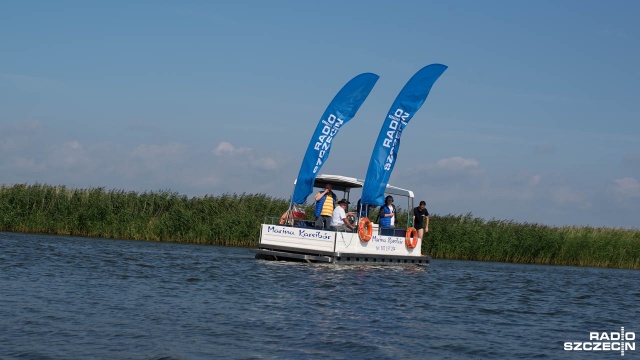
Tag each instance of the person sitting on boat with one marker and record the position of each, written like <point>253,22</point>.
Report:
<point>365,210</point>
<point>339,220</point>
<point>325,203</point>
<point>387,215</point>
<point>421,219</point>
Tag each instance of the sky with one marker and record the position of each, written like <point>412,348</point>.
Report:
<point>537,118</point>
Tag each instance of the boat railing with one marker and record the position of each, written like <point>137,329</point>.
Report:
<point>271,220</point>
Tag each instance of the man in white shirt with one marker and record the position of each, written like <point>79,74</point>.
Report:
<point>339,220</point>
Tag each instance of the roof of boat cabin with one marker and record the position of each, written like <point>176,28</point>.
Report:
<point>341,183</point>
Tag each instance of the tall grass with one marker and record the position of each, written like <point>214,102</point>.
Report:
<point>234,219</point>
<point>469,238</point>
<point>229,219</point>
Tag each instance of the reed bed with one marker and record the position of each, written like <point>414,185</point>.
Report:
<point>468,238</point>
<point>229,219</point>
<point>234,220</point>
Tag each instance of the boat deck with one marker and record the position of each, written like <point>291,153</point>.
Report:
<point>339,258</point>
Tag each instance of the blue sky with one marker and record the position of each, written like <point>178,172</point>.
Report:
<point>536,119</point>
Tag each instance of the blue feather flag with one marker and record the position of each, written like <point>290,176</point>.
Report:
<point>342,108</point>
<point>385,151</point>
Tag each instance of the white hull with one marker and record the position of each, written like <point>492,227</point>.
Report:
<point>314,245</point>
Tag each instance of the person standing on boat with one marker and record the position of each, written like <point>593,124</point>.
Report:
<point>325,203</point>
<point>387,214</point>
<point>339,219</point>
<point>421,219</point>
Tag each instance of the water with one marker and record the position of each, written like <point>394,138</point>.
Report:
<point>78,298</point>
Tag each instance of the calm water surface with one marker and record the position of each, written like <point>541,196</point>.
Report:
<point>78,298</point>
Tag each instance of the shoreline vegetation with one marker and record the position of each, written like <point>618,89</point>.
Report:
<point>234,220</point>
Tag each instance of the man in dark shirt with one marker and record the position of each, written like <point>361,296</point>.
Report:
<point>421,219</point>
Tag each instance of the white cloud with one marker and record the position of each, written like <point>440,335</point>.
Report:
<point>20,135</point>
<point>206,181</point>
<point>447,180</point>
<point>457,163</point>
<point>535,180</point>
<point>7,145</point>
<point>159,160</point>
<point>453,170</point>
<point>171,150</point>
<point>565,195</point>
<point>244,157</point>
<point>28,83</point>
<point>520,187</point>
<point>626,187</point>
<point>265,163</point>
<point>26,127</point>
<point>68,154</point>
<point>226,148</point>
<point>27,164</point>
<point>455,184</point>
<point>175,166</point>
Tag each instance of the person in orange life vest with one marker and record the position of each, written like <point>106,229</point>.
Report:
<point>325,203</point>
<point>421,219</point>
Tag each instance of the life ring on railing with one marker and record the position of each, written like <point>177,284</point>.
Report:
<point>365,229</point>
<point>411,238</point>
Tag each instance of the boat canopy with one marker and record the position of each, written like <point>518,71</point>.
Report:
<point>344,183</point>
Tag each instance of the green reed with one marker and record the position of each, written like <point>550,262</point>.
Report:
<point>234,219</point>
<point>469,238</point>
<point>229,219</point>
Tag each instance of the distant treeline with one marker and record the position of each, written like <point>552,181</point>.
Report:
<point>234,219</point>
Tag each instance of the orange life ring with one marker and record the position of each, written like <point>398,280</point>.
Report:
<point>365,229</point>
<point>411,238</point>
